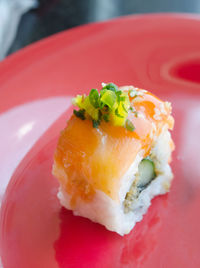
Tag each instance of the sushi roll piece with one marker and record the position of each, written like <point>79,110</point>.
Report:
<point>113,156</point>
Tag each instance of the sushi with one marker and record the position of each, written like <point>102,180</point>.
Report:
<point>113,156</point>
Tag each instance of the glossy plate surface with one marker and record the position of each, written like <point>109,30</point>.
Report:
<point>158,52</point>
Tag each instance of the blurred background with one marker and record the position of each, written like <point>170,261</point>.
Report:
<point>25,21</point>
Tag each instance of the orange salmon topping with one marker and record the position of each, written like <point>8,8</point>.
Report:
<point>96,158</point>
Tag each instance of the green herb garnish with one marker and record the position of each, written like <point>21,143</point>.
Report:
<point>106,117</point>
<point>118,93</point>
<point>95,123</point>
<point>110,105</point>
<point>117,113</point>
<point>94,98</point>
<point>129,125</point>
<point>122,98</point>
<point>80,114</point>
<point>123,106</point>
<point>111,87</point>
<point>133,111</point>
<point>109,98</point>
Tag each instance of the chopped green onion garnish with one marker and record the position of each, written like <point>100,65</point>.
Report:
<point>80,114</point>
<point>95,123</point>
<point>133,111</point>
<point>118,93</point>
<point>109,98</point>
<point>124,108</point>
<point>106,117</point>
<point>111,87</point>
<point>94,98</point>
<point>100,115</point>
<point>110,105</point>
<point>122,98</point>
<point>129,125</point>
<point>117,113</point>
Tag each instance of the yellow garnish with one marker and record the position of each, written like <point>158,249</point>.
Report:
<point>111,105</point>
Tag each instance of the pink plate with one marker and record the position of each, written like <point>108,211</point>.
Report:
<point>157,52</point>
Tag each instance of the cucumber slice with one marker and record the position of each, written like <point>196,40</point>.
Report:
<point>146,172</point>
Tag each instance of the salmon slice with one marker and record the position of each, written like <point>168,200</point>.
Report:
<point>88,159</point>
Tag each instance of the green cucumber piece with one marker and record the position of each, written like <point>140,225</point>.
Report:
<point>146,172</point>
